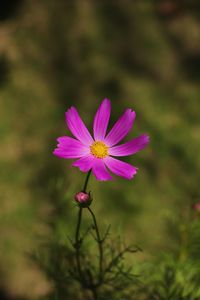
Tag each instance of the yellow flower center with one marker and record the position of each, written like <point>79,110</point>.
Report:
<point>99,149</point>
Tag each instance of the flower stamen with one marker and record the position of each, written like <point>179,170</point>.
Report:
<point>99,149</point>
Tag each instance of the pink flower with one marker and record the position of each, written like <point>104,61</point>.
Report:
<point>97,152</point>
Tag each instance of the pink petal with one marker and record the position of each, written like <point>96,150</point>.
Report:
<point>121,128</point>
<point>101,120</point>
<point>99,170</point>
<point>70,148</point>
<point>120,168</point>
<point>84,163</point>
<point>130,147</point>
<point>77,127</point>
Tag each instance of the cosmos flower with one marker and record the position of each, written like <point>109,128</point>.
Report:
<point>98,153</point>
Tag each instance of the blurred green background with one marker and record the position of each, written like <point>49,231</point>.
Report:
<point>141,54</point>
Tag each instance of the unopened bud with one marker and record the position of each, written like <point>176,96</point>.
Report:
<point>196,207</point>
<point>83,199</point>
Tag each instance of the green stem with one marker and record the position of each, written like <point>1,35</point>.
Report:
<point>86,181</point>
<point>95,295</point>
<point>99,241</point>
<point>78,241</point>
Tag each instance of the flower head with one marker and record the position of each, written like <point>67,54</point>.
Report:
<point>98,152</point>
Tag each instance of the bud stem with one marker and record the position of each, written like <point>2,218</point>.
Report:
<point>78,242</point>
<point>77,233</point>
<point>86,181</point>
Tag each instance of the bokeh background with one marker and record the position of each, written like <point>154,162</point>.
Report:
<point>141,54</point>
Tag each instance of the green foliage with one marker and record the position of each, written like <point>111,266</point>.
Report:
<point>79,269</point>
<point>172,281</point>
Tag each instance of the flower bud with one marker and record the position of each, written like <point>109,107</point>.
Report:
<point>196,207</point>
<point>83,199</point>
